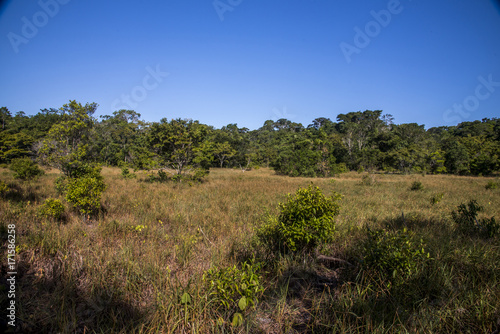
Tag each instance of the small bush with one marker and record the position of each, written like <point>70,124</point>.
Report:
<point>84,193</point>
<point>126,173</point>
<point>4,188</point>
<point>52,208</point>
<point>395,255</point>
<point>368,180</point>
<point>61,184</point>
<point>25,169</point>
<point>234,289</point>
<point>491,185</point>
<point>416,185</point>
<point>306,219</point>
<point>436,198</point>
<point>467,221</point>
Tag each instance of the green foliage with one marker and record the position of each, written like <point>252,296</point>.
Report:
<point>416,185</point>
<point>52,208</point>
<point>126,173</point>
<point>436,198</point>
<point>84,193</point>
<point>4,188</point>
<point>305,220</point>
<point>491,185</point>
<point>235,289</point>
<point>467,220</point>
<point>25,169</point>
<point>394,255</point>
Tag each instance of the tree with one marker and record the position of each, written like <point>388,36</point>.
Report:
<point>223,151</point>
<point>179,143</point>
<point>66,145</point>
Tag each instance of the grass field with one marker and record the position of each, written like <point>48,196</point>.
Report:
<point>139,267</point>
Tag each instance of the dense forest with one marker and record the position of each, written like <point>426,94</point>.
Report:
<point>368,140</point>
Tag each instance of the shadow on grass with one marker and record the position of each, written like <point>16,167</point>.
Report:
<point>50,301</point>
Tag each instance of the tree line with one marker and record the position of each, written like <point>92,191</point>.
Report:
<point>70,138</point>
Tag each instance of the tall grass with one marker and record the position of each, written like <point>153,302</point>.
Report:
<point>127,270</point>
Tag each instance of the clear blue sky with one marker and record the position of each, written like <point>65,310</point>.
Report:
<point>248,61</point>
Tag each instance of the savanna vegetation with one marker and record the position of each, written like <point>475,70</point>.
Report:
<point>125,226</point>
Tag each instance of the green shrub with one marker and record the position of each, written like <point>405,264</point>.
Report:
<point>306,219</point>
<point>84,193</point>
<point>52,208</point>
<point>436,198</point>
<point>25,169</point>
<point>394,255</point>
<point>234,289</point>
<point>491,185</point>
<point>339,168</point>
<point>61,184</point>
<point>468,222</point>
<point>416,185</point>
<point>126,173</point>
<point>4,188</point>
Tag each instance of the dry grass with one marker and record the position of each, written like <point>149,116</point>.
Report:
<point>125,270</point>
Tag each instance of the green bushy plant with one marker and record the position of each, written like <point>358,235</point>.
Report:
<point>84,193</point>
<point>393,254</point>
<point>466,219</point>
<point>436,198</point>
<point>4,188</point>
<point>491,185</point>
<point>416,185</point>
<point>52,208</point>
<point>25,169</point>
<point>234,289</point>
<point>305,220</point>
<point>126,173</point>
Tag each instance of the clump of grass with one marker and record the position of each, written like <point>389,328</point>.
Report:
<point>368,180</point>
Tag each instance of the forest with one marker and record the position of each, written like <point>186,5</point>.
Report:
<point>367,140</point>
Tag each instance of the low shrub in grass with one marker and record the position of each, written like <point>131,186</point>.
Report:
<point>466,219</point>
<point>84,193</point>
<point>417,185</point>
<point>25,169</point>
<point>395,255</point>
<point>305,220</point>
<point>491,185</point>
<point>234,289</point>
<point>435,199</point>
<point>126,173</point>
<point>52,208</point>
<point>368,180</point>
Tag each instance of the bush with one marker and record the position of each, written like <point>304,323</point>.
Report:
<point>25,169</point>
<point>4,188</point>
<point>394,255</point>
<point>52,208</point>
<point>84,193</point>
<point>306,219</point>
<point>368,180</point>
<point>126,173</point>
<point>416,185</point>
<point>491,185</point>
<point>234,289</point>
<point>467,221</point>
<point>436,198</point>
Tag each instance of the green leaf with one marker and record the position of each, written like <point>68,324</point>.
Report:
<point>237,320</point>
<point>242,303</point>
<point>186,298</point>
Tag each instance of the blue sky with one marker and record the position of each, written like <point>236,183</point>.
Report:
<point>232,61</point>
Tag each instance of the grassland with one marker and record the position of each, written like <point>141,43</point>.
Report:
<point>127,270</point>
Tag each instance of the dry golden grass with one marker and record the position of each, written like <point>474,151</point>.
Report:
<point>123,271</point>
